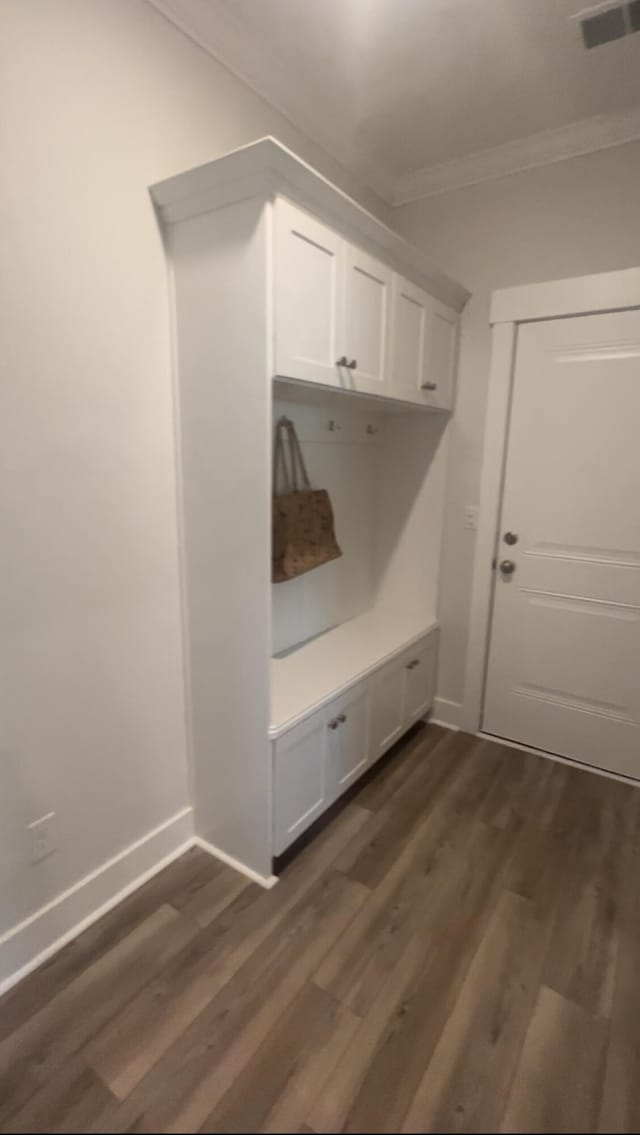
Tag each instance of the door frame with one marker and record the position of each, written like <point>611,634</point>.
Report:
<point>581,295</point>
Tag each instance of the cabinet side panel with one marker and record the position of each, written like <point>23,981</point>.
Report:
<point>220,297</point>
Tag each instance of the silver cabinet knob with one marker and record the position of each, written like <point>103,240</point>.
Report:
<point>333,724</point>
<point>412,665</point>
<point>353,364</point>
<point>507,567</point>
<point>342,361</point>
<point>342,717</point>
<point>510,537</point>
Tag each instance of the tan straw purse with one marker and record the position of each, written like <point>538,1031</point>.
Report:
<point>303,530</point>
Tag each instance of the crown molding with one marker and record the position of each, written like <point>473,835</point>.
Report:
<point>225,37</point>
<point>601,132</point>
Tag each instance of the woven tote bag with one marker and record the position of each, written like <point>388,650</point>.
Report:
<point>303,530</point>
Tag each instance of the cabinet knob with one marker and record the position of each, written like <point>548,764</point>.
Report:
<point>353,364</point>
<point>412,665</point>
<point>333,724</point>
<point>342,361</point>
<point>429,386</point>
<point>342,717</point>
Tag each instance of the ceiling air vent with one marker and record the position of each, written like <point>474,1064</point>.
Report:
<point>603,25</point>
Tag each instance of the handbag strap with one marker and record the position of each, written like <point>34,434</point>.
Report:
<point>296,458</point>
<point>279,458</point>
<point>298,473</point>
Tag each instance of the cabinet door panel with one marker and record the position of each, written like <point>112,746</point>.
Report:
<point>308,296</point>
<point>300,782</point>
<point>441,354</point>
<point>409,342</point>
<point>365,331</point>
<point>420,672</point>
<point>387,711</point>
<point>349,740</point>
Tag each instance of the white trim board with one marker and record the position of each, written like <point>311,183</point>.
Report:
<point>446,713</point>
<point>601,132</point>
<point>605,291</point>
<point>46,931</point>
<point>54,925</point>
<point>266,168</point>
<point>266,881</point>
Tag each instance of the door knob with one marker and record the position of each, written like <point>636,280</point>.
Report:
<point>507,567</point>
<point>510,537</point>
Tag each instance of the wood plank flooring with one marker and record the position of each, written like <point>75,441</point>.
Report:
<point>458,950</point>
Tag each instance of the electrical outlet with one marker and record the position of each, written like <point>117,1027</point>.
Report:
<point>42,836</point>
<point>471,516</point>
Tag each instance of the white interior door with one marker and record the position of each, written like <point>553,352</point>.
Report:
<point>564,658</point>
<point>366,321</point>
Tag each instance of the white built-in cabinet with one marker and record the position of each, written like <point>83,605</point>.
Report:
<point>277,280</point>
<point>317,760</point>
<point>345,319</point>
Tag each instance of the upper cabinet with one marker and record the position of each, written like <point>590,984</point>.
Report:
<point>423,347</point>
<point>344,319</point>
<point>308,267</point>
<point>366,321</point>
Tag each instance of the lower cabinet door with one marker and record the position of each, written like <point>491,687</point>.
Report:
<point>420,676</point>
<point>301,790</point>
<point>387,706</point>
<point>348,733</point>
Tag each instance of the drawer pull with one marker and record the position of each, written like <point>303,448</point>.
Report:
<point>429,385</point>
<point>412,665</point>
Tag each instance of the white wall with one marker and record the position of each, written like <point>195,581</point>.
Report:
<point>98,99</point>
<point>569,219</point>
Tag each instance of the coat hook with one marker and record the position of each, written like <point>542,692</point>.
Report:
<point>371,430</point>
<point>333,426</point>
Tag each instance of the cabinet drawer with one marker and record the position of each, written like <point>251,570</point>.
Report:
<point>300,779</point>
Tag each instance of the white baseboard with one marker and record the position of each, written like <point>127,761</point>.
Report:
<point>266,881</point>
<point>447,713</point>
<point>30,943</point>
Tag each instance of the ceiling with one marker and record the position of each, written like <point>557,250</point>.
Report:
<point>423,96</point>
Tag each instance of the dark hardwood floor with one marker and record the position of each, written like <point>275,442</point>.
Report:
<point>458,950</point>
